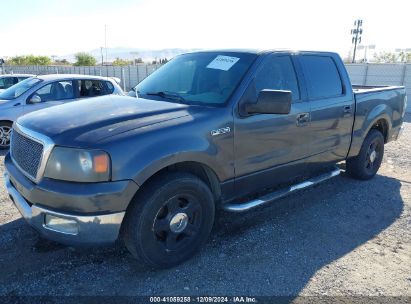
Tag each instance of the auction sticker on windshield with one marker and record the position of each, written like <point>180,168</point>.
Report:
<point>222,63</point>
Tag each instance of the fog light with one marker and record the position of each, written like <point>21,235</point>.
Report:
<point>60,224</point>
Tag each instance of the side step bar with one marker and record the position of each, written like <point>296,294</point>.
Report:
<point>268,198</point>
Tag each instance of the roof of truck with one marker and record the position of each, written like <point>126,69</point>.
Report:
<point>264,51</point>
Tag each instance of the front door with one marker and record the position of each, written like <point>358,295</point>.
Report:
<point>49,95</point>
<point>270,148</point>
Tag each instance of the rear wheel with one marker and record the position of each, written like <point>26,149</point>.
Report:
<point>169,220</point>
<point>5,133</point>
<point>366,164</point>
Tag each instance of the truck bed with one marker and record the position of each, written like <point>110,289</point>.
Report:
<point>387,102</point>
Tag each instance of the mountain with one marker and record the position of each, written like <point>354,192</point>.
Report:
<point>132,53</point>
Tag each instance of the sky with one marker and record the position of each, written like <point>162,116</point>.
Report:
<point>46,27</point>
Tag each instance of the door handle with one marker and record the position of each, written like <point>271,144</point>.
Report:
<point>303,119</point>
<point>347,109</point>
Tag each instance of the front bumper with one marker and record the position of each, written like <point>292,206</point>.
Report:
<point>91,229</point>
<point>95,209</point>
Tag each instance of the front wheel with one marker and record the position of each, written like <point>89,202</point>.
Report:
<point>5,133</point>
<point>366,164</point>
<point>169,220</point>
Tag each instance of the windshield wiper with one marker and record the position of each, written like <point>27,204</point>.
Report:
<point>167,95</point>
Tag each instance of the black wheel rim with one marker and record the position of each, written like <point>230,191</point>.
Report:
<point>373,157</point>
<point>5,132</point>
<point>178,222</point>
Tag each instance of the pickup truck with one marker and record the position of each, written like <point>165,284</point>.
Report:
<point>231,130</point>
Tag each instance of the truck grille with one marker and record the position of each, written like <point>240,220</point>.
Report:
<point>26,153</point>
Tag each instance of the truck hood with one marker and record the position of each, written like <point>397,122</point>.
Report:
<point>82,123</point>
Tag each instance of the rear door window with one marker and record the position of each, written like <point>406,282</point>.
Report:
<point>323,76</point>
<point>92,88</point>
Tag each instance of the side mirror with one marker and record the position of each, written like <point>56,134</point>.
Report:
<point>132,93</point>
<point>271,102</point>
<point>35,99</point>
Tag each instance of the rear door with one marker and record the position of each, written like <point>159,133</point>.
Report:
<point>332,108</point>
<point>270,148</point>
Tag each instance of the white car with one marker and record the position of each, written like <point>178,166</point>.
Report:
<point>8,80</point>
<point>45,91</point>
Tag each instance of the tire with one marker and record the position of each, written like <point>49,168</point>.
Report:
<point>5,132</point>
<point>366,164</point>
<point>169,220</point>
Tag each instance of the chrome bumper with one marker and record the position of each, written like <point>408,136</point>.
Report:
<point>91,229</point>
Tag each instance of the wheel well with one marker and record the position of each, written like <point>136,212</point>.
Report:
<point>203,172</point>
<point>382,126</point>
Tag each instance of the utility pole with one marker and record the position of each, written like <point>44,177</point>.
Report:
<point>102,57</point>
<point>356,34</point>
<point>105,39</point>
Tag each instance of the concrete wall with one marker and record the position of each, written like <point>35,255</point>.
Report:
<point>129,75</point>
<point>382,74</point>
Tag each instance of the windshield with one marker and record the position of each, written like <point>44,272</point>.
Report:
<point>207,78</point>
<point>19,89</point>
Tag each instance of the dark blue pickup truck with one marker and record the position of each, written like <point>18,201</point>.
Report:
<point>217,129</point>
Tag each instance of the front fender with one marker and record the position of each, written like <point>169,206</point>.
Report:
<point>140,153</point>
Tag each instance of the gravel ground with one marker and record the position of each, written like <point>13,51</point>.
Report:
<point>343,237</point>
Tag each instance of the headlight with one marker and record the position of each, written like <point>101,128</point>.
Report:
<point>78,165</point>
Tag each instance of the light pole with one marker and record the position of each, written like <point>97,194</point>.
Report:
<point>105,39</point>
<point>135,56</point>
<point>356,34</point>
<point>102,57</point>
<point>366,48</point>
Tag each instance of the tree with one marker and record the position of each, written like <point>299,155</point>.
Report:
<point>119,61</point>
<point>388,57</point>
<point>84,59</point>
<point>405,57</point>
<point>61,62</point>
<point>29,60</point>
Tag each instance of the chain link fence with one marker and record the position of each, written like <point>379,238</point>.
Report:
<point>360,74</point>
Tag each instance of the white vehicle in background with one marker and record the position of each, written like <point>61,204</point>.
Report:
<point>45,91</point>
<point>8,80</point>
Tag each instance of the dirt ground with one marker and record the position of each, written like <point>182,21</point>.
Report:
<point>341,238</point>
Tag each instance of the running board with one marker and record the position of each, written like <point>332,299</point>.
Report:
<point>268,198</point>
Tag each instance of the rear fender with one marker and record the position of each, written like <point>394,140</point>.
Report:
<point>364,123</point>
